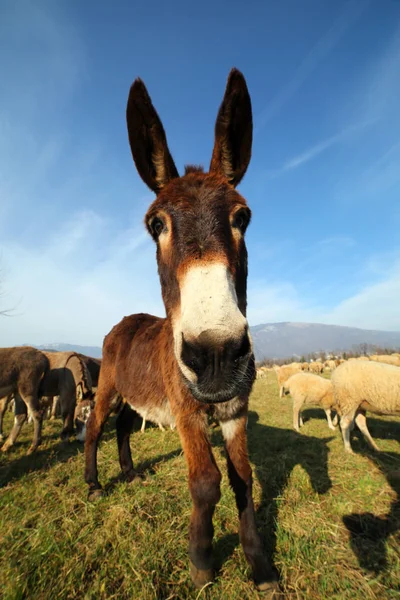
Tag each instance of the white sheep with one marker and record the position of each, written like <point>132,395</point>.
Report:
<point>309,389</point>
<point>283,373</point>
<point>316,367</point>
<point>387,359</point>
<point>359,386</point>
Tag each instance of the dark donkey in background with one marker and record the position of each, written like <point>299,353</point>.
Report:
<point>199,359</point>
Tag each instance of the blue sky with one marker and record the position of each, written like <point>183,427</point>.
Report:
<point>323,184</point>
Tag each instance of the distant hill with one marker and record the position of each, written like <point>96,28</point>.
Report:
<point>94,351</point>
<point>281,340</point>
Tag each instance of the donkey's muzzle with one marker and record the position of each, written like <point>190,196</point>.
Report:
<point>223,370</point>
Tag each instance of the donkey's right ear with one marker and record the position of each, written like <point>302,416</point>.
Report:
<point>147,139</point>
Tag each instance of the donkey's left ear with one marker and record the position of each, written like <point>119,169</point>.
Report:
<point>233,131</point>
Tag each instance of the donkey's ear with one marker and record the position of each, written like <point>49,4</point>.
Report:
<point>147,139</point>
<point>233,131</point>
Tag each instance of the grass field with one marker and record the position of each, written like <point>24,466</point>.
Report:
<point>330,521</point>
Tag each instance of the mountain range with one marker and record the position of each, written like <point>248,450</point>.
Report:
<point>281,340</point>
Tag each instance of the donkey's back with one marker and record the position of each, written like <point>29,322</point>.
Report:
<point>21,370</point>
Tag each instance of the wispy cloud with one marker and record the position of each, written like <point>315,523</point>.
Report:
<point>70,272</point>
<point>375,99</point>
<point>63,292</point>
<point>373,306</point>
<point>317,54</point>
<point>376,306</point>
<point>316,150</point>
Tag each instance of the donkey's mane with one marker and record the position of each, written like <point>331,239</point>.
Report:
<point>194,169</point>
<point>82,369</point>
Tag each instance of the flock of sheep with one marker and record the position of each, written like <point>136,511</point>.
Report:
<point>69,380</point>
<point>356,386</point>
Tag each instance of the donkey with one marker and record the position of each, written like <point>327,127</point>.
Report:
<point>66,377</point>
<point>199,358</point>
<point>21,371</point>
<point>93,366</point>
<point>69,378</point>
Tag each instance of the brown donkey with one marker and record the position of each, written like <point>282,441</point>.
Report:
<point>21,371</point>
<point>199,358</point>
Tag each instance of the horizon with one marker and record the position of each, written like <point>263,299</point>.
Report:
<point>70,343</point>
<point>323,183</point>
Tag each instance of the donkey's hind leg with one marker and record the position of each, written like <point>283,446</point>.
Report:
<point>20,414</point>
<point>4,402</point>
<point>124,425</point>
<point>94,429</point>
<point>32,402</point>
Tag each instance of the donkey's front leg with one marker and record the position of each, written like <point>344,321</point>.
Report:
<point>240,477</point>
<point>204,485</point>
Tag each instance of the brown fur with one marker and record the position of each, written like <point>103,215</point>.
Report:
<point>201,218</point>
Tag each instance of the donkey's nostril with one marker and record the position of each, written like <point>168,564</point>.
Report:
<point>194,356</point>
<point>213,361</point>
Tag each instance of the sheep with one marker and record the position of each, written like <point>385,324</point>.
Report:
<point>283,373</point>
<point>387,359</point>
<point>359,386</point>
<point>316,367</point>
<point>306,388</point>
<point>262,372</point>
<point>160,425</point>
<point>305,366</point>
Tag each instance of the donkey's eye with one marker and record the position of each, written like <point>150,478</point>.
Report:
<point>241,220</point>
<point>157,226</point>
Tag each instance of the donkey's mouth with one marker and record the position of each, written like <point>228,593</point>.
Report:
<point>212,390</point>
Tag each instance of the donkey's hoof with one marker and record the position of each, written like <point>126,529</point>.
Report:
<point>270,590</point>
<point>96,495</point>
<point>200,577</point>
<point>133,477</point>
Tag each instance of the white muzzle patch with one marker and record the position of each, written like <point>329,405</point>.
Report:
<point>208,305</point>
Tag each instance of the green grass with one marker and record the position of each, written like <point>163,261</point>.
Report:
<point>330,521</point>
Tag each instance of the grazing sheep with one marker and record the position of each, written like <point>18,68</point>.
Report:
<point>359,386</point>
<point>283,373</point>
<point>330,364</point>
<point>172,425</point>
<point>316,367</point>
<point>305,366</point>
<point>306,388</point>
<point>387,359</point>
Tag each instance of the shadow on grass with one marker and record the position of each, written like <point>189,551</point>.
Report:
<point>369,532</point>
<point>275,452</point>
<point>12,469</point>
<point>142,469</point>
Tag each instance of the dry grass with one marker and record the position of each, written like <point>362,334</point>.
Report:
<point>329,520</point>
